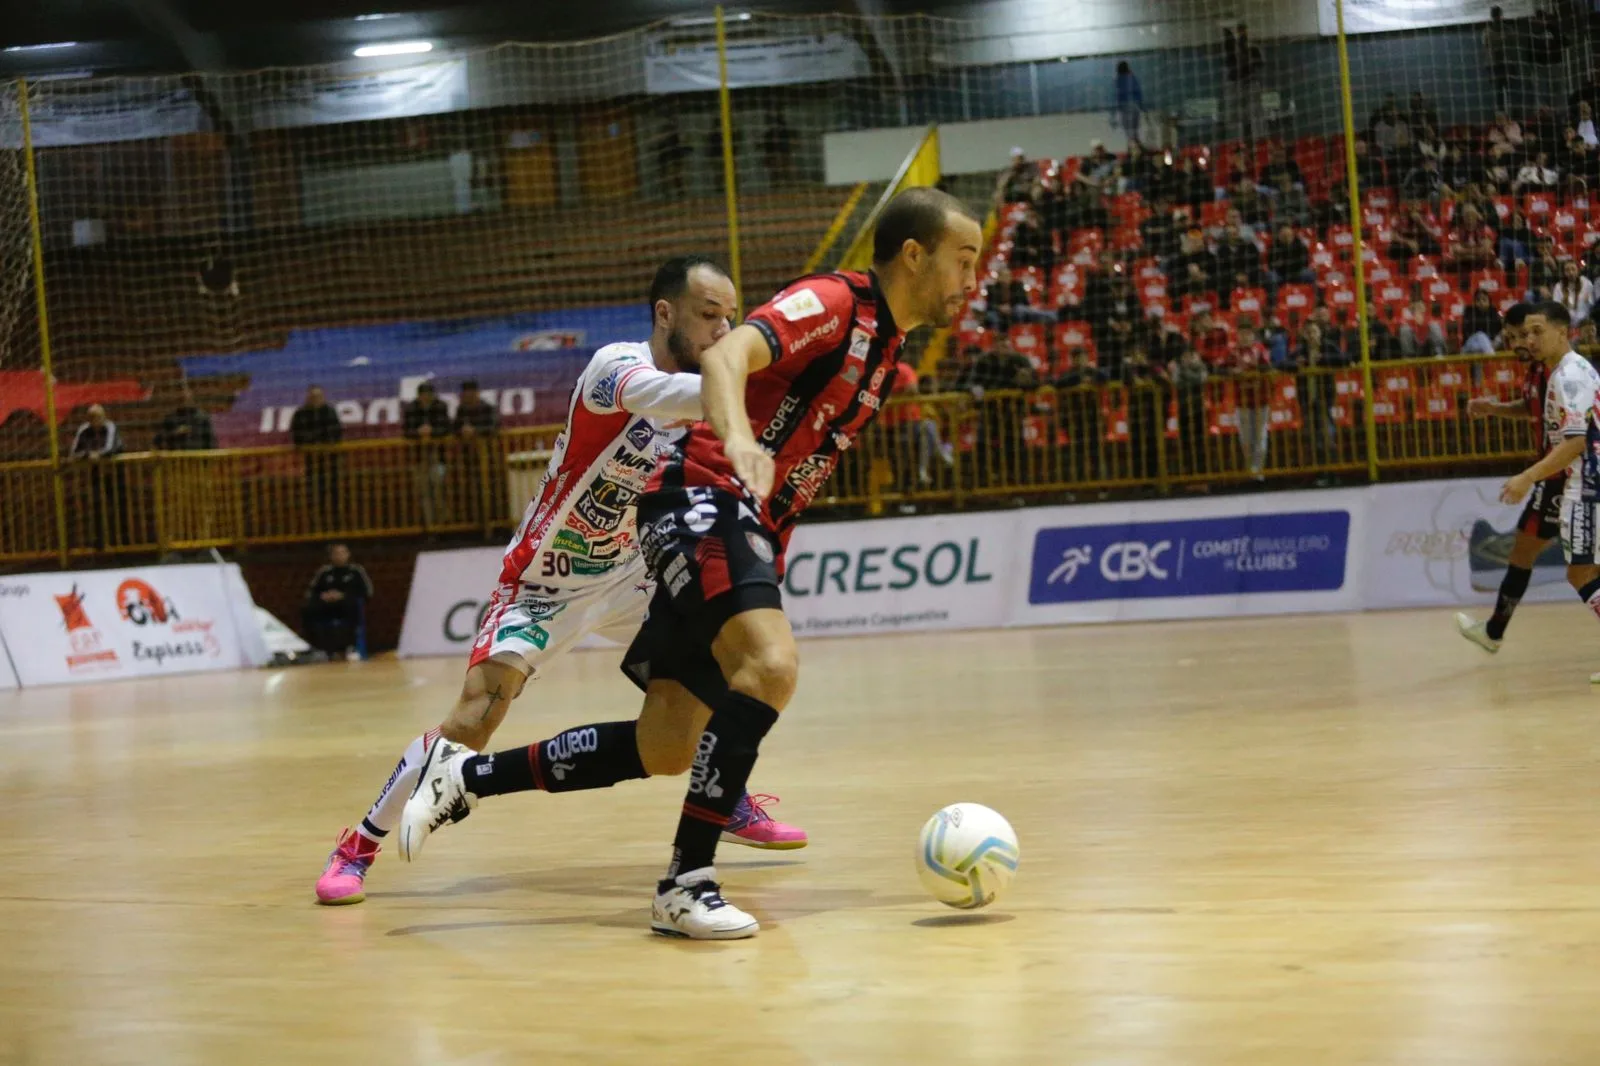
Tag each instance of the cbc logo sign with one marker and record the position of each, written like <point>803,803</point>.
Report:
<point>1127,560</point>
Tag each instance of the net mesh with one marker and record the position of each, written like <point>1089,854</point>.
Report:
<point>497,214</point>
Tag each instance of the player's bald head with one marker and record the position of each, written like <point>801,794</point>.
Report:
<point>924,215</point>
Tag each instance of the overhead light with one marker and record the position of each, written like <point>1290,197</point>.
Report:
<point>375,18</point>
<point>708,20</point>
<point>393,48</point>
<point>42,47</point>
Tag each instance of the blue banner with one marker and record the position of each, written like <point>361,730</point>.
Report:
<point>1235,555</point>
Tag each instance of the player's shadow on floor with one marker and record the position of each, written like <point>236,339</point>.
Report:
<point>770,905</point>
<point>955,921</point>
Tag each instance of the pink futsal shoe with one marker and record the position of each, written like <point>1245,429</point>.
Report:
<point>753,827</point>
<point>344,881</point>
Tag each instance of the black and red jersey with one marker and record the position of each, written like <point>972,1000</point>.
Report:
<point>834,351</point>
<point>1534,383</point>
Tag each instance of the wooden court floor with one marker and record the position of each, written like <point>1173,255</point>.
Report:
<point>1351,839</point>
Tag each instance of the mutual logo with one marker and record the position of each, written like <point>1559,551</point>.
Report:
<point>572,742</point>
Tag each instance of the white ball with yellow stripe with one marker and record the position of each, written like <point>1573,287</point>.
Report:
<point>967,855</point>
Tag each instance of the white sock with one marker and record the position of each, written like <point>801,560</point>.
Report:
<point>385,813</point>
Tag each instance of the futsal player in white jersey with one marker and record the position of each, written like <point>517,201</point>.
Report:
<point>573,568</point>
<point>1572,427</point>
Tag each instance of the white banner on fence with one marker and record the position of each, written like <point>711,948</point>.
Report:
<point>8,676</point>
<point>102,112</point>
<point>400,92</point>
<point>691,67</point>
<point>449,594</point>
<point>1387,16</point>
<point>100,625</point>
<point>1445,543</point>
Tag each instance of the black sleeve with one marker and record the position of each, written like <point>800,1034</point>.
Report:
<point>366,581</point>
<point>321,582</point>
<point>208,433</point>
<point>299,431</point>
<point>411,416</point>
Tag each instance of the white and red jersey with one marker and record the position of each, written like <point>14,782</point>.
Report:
<point>579,530</point>
<point>1571,402</point>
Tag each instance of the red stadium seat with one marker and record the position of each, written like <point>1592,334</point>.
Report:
<point>1029,341</point>
<point>1114,415</point>
<point>1436,404</point>
<point>1249,301</point>
<point>1283,407</point>
<point>1295,304</point>
<point>1070,335</point>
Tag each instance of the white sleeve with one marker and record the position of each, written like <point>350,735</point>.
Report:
<point>656,394</point>
<point>620,379</point>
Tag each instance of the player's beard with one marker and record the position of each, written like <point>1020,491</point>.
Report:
<point>683,352</point>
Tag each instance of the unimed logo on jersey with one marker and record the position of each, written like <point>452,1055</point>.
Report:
<point>1234,555</point>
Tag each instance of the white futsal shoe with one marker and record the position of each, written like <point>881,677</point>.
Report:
<point>692,907</point>
<point>441,796</point>
<point>1478,633</point>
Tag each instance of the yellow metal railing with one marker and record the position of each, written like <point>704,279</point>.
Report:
<point>939,450</point>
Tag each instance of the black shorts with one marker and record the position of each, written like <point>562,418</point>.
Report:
<point>1541,515</point>
<point>711,558</point>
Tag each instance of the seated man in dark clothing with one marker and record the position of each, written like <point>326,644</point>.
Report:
<point>335,605</point>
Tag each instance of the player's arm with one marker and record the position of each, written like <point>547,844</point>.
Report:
<point>724,369</point>
<point>1560,458</point>
<point>1487,406</point>
<point>656,394</point>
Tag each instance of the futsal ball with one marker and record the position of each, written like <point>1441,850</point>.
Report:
<point>967,855</point>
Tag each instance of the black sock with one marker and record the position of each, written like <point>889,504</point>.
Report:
<point>1590,595</point>
<point>1512,586</point>
<point>723,760</point>
<point>590,756</point>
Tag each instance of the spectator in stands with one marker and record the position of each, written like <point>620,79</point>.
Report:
<point>1288,260</point>
<point>1573,291</point>
<point>94,444</point>
<point>1188,374</point>
<point>1115,318</point>
<point>1315,356</point>
<point>1016,183</point>
<point>1498,55</point>
<point>1516,242</point>
<point>1419,333</point>
<point>1544,132</point>
<point>1158,234</point>
<point>1369,167</point>
<point>1254,209</point>
<point>315,423</point>
<point>1431,146</point>
<point>1162,182</point>
<point>335,605</point>
<point>1578,159</point>
<point>1002,367</point>
<point>186,428</point>
<point>1536,175</point>
<point>1585,126</point>
<point>1193,185</point>
<point>1084,208</point>
<point>1505,132</point>
<point>1099,166</point>
<point>1544,273</point>
<point>1280,168</point>
<point>1250,364</point>
<point>1238,261</point>
<point>1424,183</point>
<point>1008,302</point>
<point>1404,156</point>
<point>1334,211</point>
<point>1460,169</point>
<point>1193,271</point>
<point>1129,107</point>
<point>1210,338</point>
<point>1423,116</point>
<point>1385,124</point>
<point>1033,244</point>
<point>1412,236</point>
<point>426,420</point>
<point>477,420</point>
<point>217,277</point>
<point>1292,206</point>
<point>1137,170</point>
<point>1472,242</point>
<point>1480,325</point>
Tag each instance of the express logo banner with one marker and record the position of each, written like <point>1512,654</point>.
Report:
<point>1238,554</point>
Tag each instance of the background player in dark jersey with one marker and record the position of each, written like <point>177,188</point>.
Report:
<point>784,394</point>
<point>1540,522</point>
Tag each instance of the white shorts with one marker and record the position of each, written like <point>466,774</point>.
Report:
<point>1578,522</point>
<point>541,624</point>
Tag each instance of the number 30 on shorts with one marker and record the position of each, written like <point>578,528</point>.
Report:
<point>556,564</point>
